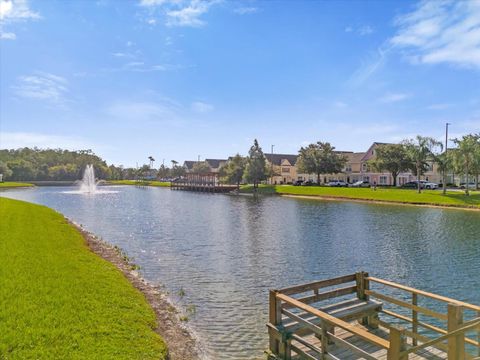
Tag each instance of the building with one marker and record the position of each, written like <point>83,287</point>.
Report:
<point>357,168</point>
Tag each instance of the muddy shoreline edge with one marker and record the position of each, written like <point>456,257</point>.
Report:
<point>181,342</point>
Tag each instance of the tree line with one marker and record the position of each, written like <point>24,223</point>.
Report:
<point>415,155</point>
<point>35,164</point>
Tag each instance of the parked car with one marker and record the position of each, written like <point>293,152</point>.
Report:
<point>337,183</point>
<point>470,185</point>
<point>308,183</point>
<point>428,185</point>
<point>297,182</point>
<point>410,185</point>
<point>360,184</point>
<point>423,185</point>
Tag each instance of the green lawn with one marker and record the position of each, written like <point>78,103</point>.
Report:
<point>133,182</point>
<point>11,184</point>
<point>58,300</point>
<point>431,197</point>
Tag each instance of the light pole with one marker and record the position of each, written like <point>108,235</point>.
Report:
<point>445,160</point>
<point>271,167</point>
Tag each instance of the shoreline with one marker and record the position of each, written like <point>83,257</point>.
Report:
<point>379,202</point>
<point>181,341</point>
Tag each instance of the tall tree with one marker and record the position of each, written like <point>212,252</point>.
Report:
<point>163,172</point>
<point>320,158</point>
<point>201,167</point>
<point>466,157</point>
<point>255,170</point>
<point>421,151</point>
<point>233,170</point>
<point>392,158</point>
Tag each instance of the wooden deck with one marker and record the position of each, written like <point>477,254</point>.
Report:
<point>370,319</point>
<point>211,188</point>
<point>376,352</point>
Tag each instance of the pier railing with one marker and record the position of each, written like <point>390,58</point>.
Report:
<point>438,315</point>
<point>320,307</point>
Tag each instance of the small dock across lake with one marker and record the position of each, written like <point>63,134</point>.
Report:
<point>362,317</point>
<point>202,183</point>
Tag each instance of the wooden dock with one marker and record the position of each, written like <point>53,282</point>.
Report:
<point>362,317</point>
<point>202,183</point>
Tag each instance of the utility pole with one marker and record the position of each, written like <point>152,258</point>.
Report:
<point>446,160</point>
<point>271,167</point>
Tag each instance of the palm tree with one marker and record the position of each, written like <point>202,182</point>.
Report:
<point>421,150</point>
<point>466,156</point>
<point>151,161</point>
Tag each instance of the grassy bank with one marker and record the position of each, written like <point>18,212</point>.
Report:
<point>11,184</point>
<point>427,197</point>
<point>133,182</point>
<point>58,300</point>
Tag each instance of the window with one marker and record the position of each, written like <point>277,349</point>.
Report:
<point>364,167</point>
<point>285,170</point>
<point>366,178</point>
<point>348,168</point>
<point>383,180</point>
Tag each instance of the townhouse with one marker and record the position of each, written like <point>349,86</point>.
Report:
<point>356,168</point>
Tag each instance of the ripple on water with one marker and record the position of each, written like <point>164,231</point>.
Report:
<point>225,252</point>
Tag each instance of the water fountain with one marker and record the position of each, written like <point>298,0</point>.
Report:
<point>88,184</point>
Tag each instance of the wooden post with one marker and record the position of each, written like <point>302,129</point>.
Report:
<point>397,344</point>
<point>456,344</point>
<point>324,339</point>
<point>359,276</point>
<point>478,336</point>
<point>414,319</point>
<point>275,318</point>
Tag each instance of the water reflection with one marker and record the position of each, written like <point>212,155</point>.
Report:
<point>227,251</point>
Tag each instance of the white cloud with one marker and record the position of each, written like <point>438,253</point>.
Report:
<point>340,104</point>
<point>189,15</point>
<point>245,10</point>
<point>179,12</point>
<point>12,11</point>
<point>163,110</point>
<point>201,107</point>
<point>441,32</point>
<point>141,67</point>
<point>365,30</point>
<point>8,36</point>
<point>42,86</point>
<point>360,30</point>
<point>153,2</point>
<point>369,66</point>
<point>14,140</point>
<point>394,97</point>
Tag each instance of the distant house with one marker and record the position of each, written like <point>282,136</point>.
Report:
<point>216,164</point>
<point>188,165</point>
<point>283,166</point>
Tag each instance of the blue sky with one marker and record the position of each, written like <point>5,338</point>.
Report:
<point>180,78</point>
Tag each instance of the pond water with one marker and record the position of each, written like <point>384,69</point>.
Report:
<point>225,252</point>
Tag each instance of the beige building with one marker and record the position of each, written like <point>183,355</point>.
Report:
<point>357,168</point>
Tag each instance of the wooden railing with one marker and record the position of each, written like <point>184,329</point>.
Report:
<point>453,339</point>
<point>287,304</point>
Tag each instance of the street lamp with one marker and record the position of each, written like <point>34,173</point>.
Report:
<point>271,167</point>
<point>446,159</point>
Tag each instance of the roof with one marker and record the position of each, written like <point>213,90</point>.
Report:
<point>188,164</point>
<point>355,157</point>
<point>276,159</point>
<point>216,163</point>
<point>369,153</point>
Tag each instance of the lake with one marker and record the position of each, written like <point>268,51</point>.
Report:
<point>224,252</point>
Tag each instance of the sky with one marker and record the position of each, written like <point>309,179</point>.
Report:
<point>182,79</point>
